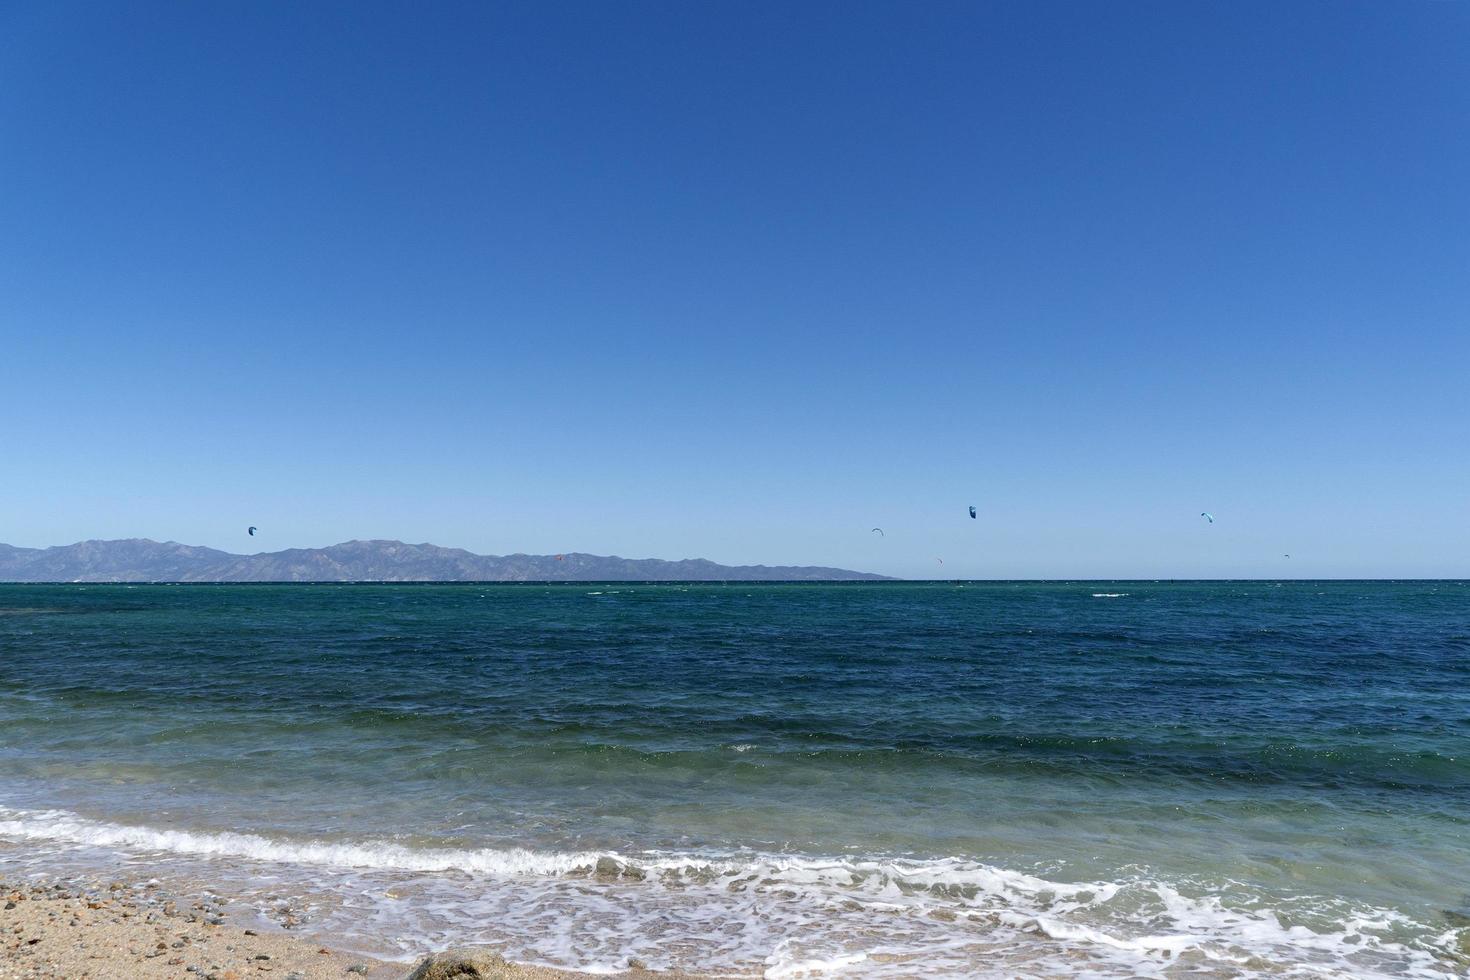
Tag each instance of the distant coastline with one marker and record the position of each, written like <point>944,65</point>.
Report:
<point>137,560</point>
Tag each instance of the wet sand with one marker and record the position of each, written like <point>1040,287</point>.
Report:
<point>138,931</point>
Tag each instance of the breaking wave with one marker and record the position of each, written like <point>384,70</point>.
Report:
<point>781,915</point>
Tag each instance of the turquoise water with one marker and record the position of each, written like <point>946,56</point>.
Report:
<point>908,779</point>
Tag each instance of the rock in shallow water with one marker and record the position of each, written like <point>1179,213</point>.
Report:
<point>462,964</point>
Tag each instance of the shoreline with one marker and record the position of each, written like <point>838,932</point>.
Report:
<point>724,782</point>
<point>59,929</point>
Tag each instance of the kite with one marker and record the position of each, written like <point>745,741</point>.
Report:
<point>252,532</point>
<point>1207,516</point>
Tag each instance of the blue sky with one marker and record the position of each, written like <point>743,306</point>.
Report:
<point>743,281</point>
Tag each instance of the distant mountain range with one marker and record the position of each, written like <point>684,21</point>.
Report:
<point>142,560</point>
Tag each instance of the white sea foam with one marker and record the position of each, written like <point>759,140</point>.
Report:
<point>1109,595</point>
<point>777,966</point>
<point>59,825</point>
<point>789,916</point>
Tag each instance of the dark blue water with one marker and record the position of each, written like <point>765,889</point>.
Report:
<point>903,779</point>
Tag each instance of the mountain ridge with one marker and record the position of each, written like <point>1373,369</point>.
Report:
<point>372,560</point>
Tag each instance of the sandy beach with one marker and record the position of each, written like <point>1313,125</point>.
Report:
<point>136,930</point>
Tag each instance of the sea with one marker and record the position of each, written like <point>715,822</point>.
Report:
<point>915,779</point>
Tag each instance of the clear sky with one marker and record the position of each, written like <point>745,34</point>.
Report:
<point>745,280</point>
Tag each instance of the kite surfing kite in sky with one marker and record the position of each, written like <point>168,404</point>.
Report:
<point>972,512</point>
<point>1207,516</point>
<point>880,532</point>
<point>252,532</point>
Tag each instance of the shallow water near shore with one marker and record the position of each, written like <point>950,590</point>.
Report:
<point>1088,779</point>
